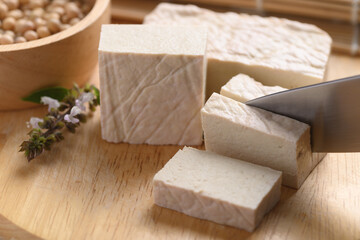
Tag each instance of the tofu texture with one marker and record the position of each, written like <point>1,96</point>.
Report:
<point>294,54</point>
<point>217,188</point>
<point>236,130</point>
<point>152,81</point>
<point>243,88</point>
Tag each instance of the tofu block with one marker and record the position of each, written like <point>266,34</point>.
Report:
<point>236,130</point>
<point>217,188</point>
<point>294,54</point>
<point>243,88</point>
<point>152,81</point>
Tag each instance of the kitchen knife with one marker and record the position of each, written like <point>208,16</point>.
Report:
<point>332,109</point>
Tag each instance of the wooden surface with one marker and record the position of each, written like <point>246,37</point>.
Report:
<point>86,188</point>
<point>58,60</point>
<point>132,11</point>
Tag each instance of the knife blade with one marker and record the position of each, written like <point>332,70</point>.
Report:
<point>332,109</point>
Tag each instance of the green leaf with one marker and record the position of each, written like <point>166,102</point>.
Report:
<point>57,93</point>
<point>97,94</point>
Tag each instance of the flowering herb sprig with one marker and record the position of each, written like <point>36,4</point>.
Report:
<point>67,112</point>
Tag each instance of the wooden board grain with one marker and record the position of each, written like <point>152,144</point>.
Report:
<point>86,188</point>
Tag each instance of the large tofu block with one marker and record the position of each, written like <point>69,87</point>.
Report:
<point>294,54</point>
<point>152,82</point>
<point>217,188</point>
<point>243,88</point>
<point>250,134</point>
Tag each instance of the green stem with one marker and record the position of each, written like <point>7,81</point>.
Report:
<point>61,118</point>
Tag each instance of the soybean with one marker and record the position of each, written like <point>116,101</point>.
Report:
<point>28,20</point>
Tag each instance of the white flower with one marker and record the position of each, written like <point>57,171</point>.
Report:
<point>34,122</point>
<point>71,117</point>
<point>84,98</point>
<point>53,103</point>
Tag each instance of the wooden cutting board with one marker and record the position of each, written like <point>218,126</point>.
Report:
<point>86,188</point>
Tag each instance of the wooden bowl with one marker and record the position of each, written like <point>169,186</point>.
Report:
<point>58,60</point>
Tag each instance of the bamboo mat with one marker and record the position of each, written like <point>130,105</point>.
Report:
<point>333,16</point>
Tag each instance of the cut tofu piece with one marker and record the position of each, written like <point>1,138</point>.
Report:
<point>294,54</point>
<point>217,188</point>
<point>236,130</point>
<point>152,81</point>
<point>243,88</point>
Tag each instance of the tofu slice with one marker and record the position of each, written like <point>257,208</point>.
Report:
<point>236,130</point>
<point>243,88</point>
<point>294,54</point>
<point>152,81</point>
<point>217,188</point>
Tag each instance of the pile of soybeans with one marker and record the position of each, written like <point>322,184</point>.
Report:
<point>27,20</point>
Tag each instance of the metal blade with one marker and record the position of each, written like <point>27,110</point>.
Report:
<point>331,108</point>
